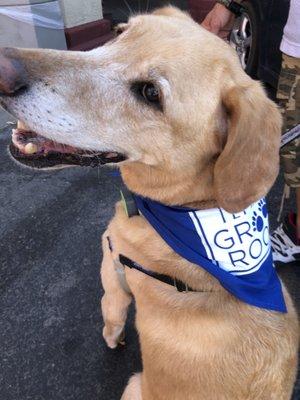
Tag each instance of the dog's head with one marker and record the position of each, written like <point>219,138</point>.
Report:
<point>166,99</point>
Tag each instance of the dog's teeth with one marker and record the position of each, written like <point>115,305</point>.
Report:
<point>30,148</point>
<point>111,155</point>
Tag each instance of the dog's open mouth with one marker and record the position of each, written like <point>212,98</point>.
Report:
<point>36,151</point>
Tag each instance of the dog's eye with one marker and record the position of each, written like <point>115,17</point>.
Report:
<point>150,93</point>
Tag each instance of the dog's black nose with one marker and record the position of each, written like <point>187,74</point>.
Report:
<point>12,72</point>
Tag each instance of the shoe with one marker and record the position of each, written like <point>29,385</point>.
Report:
<point>284,241</point>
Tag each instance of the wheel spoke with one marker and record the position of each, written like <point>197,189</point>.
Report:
<point>243,59</point>
<point>235,37</point>
<point>244,26</point>
<point>241,38</point>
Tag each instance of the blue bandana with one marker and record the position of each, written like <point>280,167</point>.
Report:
<point>234,248</point>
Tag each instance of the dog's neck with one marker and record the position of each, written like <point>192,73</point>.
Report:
<point>127,239</point>
<point>187,188</point>
<point>194,189</point>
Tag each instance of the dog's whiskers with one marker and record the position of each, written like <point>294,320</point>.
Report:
<point>147,6</point>
<point>128,6</point>
<point>120,9</point>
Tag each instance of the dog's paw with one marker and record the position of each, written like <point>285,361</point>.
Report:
<point>114,337</point>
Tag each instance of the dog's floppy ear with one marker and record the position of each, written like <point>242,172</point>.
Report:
<point>248,164</point>
<point>170,11</point>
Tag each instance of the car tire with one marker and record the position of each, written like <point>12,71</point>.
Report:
<point>245,36</point>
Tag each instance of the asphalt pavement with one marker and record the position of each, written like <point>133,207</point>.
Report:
<point>50,326</point>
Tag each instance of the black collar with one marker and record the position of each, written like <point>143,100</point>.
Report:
<point>179,285</point>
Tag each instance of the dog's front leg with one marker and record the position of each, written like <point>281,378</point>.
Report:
<point>115,301</point>
<point>133,390</point>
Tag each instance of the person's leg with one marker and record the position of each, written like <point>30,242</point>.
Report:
<point>286,238</point>
<point>298,212</point>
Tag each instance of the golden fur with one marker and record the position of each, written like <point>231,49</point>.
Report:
<point>215,143</point>
<point>205,345</point>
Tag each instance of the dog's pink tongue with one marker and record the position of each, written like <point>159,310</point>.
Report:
<point>50,146</point>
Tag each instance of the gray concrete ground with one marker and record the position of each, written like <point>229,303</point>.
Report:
<point>50,333</point>
<point>5,118</point>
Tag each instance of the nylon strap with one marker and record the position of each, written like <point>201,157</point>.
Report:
<point>179,285</point>
<point>128,202</point>
<point>290,135</point>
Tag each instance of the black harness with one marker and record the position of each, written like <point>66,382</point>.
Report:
<point>132,210</point>
<point>179,285</point>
